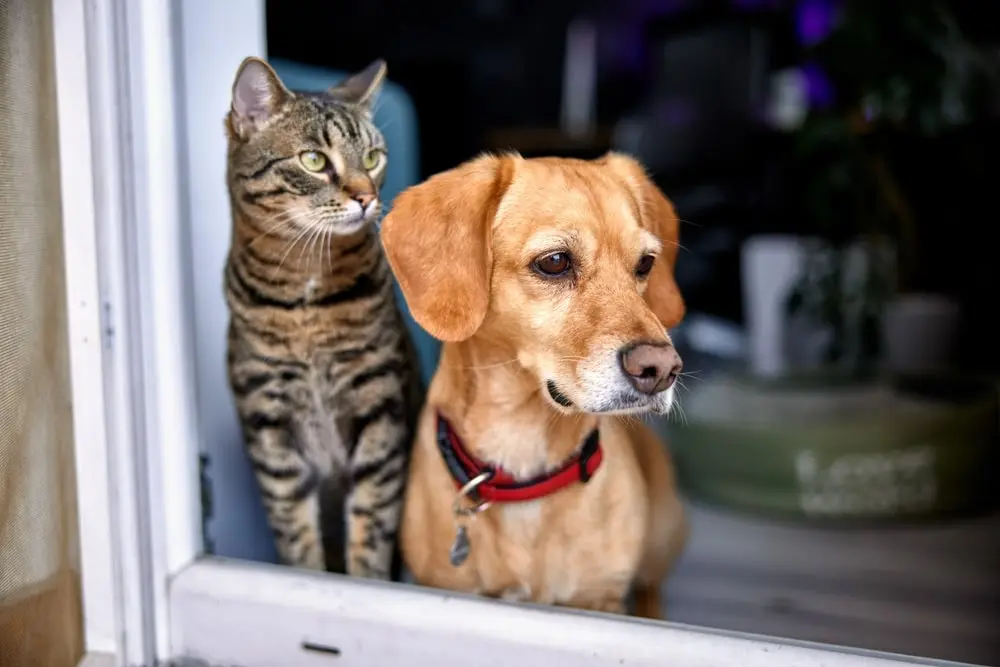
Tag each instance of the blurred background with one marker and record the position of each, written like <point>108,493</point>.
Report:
<point>830,161</point>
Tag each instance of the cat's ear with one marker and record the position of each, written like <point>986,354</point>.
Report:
<point>258,95</point>
<point>362,88</point>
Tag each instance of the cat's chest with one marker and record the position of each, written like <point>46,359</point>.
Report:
<point>306,328</point>
<point>311,289</point>
<point>319,437</point>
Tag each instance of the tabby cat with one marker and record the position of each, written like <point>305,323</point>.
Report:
<point>320,364</point>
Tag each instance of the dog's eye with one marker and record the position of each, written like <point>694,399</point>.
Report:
<point>645,265</point>
<point>554,264</point>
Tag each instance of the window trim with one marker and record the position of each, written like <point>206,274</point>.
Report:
<point>250,614</point>
<point>125,262</point>
<point>90,428</point>
<point>147,598</point>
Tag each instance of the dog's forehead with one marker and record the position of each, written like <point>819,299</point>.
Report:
<point>546,200</point>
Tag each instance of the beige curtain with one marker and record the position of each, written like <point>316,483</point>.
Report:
<point>40,616</point>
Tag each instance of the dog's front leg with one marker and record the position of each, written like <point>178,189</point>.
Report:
<point>608,601</point>
<point>647,602</point>
<point>610,606</point>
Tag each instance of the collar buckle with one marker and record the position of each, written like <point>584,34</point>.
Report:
<point>469,491</point>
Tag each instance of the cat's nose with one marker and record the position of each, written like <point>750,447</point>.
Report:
<point>361,189</point>
<point>363,198</point>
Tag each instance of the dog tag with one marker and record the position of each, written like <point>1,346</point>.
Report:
<point>460,547</point>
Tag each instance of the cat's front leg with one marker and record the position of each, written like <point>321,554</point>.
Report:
<point>289,488</point>
<point>379,441</point>
<point>288,482</point>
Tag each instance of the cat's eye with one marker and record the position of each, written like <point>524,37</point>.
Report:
<point>313,160</point>
<point>372,158</point>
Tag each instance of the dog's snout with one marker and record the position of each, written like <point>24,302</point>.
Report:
<point>650,367</point>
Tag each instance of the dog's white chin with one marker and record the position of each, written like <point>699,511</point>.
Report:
<point>627,402</point>
<point>665,401</point>
<point>660,404</point>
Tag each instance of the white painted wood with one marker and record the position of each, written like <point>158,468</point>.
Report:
<point>256,615</point>
<point>156,255</point>
<point>97,195</point>
<point>123,380</point>
<point>83,301</point>
<point>125,265</point>
<point>163,268</point>
<point>98,660</point>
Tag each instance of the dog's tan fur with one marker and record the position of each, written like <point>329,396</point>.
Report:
<point>461,245</point>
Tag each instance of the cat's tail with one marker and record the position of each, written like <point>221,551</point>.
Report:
<point>333,519</point>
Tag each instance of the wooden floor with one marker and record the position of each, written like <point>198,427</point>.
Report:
<point>931,591</point>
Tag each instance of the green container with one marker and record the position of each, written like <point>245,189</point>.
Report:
<point>837,451</point>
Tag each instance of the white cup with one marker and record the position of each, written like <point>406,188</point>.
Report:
<point>770,267</point>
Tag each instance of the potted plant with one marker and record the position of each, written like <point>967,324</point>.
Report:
<point>882,163</point>
<point>902,77</point>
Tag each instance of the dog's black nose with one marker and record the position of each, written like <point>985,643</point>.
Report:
<point>650,367</point>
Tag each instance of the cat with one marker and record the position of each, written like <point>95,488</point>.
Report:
<point>323,372</point>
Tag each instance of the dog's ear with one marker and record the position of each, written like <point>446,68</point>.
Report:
<point>659,217</point>
<point>438,241</point>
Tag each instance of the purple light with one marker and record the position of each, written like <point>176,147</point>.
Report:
<point>814,20</point>
<point>819,91</point>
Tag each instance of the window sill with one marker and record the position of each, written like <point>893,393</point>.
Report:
<point>227,612</point>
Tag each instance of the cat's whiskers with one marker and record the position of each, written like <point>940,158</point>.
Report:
<point>275,222</point>
<point>309,228</point>
<point>288,215</point>
<point>305,252</point>
<point>323,246</point>
<point>315,241</point>
<point>327,243</point>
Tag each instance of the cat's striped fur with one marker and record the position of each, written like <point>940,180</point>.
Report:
<point>320,364</point>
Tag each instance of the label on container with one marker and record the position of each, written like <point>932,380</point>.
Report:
<point>900,481</point>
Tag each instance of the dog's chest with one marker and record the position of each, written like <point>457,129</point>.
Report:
<point>519,449</point>
<point>561,548</point>
<point>543,570</point>
<point>557,563</point>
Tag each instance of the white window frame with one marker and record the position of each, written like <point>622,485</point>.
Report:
<point>147,596</point>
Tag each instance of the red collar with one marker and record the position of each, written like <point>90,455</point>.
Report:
<point>501,486</point>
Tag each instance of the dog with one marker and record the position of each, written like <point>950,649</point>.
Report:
<point>550,283</point>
